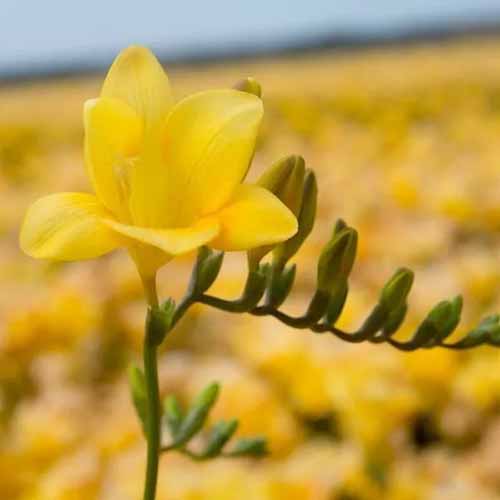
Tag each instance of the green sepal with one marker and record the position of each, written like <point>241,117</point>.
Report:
<point>137,384</point>
<point>197,414</point>
<point>249,447</point>
<point>219,435</point>
<point>159,320</point>
<point>173,415</point>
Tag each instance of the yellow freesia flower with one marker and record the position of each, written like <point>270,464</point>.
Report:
<point>167,177</point>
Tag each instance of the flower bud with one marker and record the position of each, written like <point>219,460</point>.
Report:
<point>375,321</point>
<point>285,179</point>
<point>338,297</point>
<point>250,85</point>
<point>281,285</point>
<point>445,317</point>
<point>337,259</point>
<point>439,323</point>
<point>396,317</point>
<point>488,330</point>
<point>396,290</point>
<point>255,287</point>
<point>206,270</point>
<point>306,217</point>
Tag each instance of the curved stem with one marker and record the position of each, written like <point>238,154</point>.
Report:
<point>153,430</point>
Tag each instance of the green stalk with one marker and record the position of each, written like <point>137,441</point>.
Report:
<point>153,429</point>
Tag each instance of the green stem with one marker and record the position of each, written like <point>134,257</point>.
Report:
<point>153,429</point>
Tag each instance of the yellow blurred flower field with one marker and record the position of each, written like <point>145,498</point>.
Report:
<point>406,145</point>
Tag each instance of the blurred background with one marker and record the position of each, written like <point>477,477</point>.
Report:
<point>396,106</point>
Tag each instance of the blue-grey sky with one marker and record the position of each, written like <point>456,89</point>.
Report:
<point>38,35</point>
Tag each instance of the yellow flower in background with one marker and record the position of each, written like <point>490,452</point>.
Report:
<point>167,177</point>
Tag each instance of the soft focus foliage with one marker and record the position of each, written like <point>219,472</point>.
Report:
<point>405,145</point>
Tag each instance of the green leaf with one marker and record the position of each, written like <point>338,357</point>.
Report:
<point>249,447</point>
<point>220,434</point>
<point>197,414</point>
<point>137,384</point>
<point>173,415</point>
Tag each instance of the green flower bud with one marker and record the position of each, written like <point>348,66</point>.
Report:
<point>255,287</point>
<point>285,179</point>
<point>207,268</point>
<point>306,217</point>
<point>137,384</point>
<point>318,306</point>
<point>197,414</point>
<point>375,321</point>
<point>249,447</point>
<point>338,297</point>
<point>250,85</point>
<point>396,290</point>
<point>395,319</point>
<point>337,259</point>
<point>281,285</point>
<point>439,323</point>
<point>445,317</point>
<point>487,330</point>
<point>219,436</point>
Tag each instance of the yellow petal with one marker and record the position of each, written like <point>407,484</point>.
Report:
<point>113,134</point>
<point>209,139</point>
<point>67,226</point>
<point>172,241</point>
<point>254,217</point>
<point>137,78</point>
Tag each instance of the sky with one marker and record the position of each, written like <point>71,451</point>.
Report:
<point>43,35</point>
